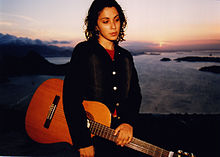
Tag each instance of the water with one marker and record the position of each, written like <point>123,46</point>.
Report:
<point>18,92</point>
<point>58,60</point>
<point>167,87</point>
<point>177,87</point>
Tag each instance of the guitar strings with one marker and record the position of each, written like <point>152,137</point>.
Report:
<point>105,131</point>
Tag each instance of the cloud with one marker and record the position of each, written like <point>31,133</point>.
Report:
<point>58,42</point>
<point>139,45</point>
<point>9,39</point>
<point>6,23</point>
<point>22,17</point>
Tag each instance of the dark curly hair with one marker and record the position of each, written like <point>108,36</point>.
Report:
<point>92,17</point>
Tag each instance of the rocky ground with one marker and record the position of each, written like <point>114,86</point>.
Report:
<point>192,133</point>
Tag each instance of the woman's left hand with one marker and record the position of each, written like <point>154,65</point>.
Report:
<point>125,134</point>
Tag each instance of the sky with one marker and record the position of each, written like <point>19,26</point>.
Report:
<point>151,23</point>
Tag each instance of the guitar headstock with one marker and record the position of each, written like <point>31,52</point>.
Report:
<point>180,153</point>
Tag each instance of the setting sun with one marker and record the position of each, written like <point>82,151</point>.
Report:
<point>161,44</point>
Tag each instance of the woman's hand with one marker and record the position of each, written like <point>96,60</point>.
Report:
<point>125,134</point>
<point>87,152</point>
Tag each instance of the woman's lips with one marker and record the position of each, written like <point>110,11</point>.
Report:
<point>113,34</point>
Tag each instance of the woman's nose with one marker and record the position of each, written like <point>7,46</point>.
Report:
<point>113,25</point>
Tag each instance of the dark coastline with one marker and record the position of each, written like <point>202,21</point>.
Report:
<point>195,133</point>
<point>199,59</point>
<point>35,64</point>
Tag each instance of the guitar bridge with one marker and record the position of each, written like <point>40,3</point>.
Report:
<point>51,111</point>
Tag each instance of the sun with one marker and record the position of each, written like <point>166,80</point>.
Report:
<point>161,44</point>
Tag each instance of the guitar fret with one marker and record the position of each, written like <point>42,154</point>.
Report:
<point>105,132</point>
<point>91,126</point>
<point>108,134</point>
<point>157,152</point>
<point>154,150</point>
<point>95,127</point>
<point>102,131</point>
<point>161,153</point>
<point>98,129</point>
<point>151,152</point>
<point>148,148</point>
<point>113,138</point>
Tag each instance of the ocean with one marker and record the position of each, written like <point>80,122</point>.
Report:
<point>167,87</point>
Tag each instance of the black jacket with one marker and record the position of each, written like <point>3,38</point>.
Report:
<point>94,76</point>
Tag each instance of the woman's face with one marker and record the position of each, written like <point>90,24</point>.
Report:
<point>108,24</point>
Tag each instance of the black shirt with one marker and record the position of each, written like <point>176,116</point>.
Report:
<point>94,76</point>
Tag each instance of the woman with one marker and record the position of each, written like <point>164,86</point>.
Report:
<point>100,70</point>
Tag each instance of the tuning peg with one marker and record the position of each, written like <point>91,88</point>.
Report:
<point>180,152</point>
<point>186,153</point>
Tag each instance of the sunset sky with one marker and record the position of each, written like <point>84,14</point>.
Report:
<point>151,23</point>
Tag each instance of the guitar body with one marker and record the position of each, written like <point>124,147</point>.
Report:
<point>45,120</point>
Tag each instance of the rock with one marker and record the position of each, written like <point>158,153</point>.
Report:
<point>165,59</point>
<point>4,79</point>
<point>213,69</point>
<point>198,59</point>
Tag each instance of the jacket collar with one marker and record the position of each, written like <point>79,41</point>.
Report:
<point>95,41</point>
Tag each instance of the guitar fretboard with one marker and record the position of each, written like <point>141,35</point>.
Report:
<point>136,144</point>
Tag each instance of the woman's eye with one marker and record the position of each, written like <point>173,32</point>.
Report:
<point>105,21</point>
<point>117,20</point>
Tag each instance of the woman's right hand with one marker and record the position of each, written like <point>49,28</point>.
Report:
<point>87,151</point>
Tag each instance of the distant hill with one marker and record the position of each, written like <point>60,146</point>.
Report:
<point>31,64</point>
<point>18,46</point>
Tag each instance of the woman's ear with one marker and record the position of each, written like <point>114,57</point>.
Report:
<point>97,31</point>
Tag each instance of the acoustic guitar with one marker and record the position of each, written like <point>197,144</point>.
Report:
<point>45,121</point>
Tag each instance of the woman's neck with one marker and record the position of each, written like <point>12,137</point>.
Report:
<point>109,45</point>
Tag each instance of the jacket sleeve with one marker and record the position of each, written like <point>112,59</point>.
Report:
<point>132,104</point>
<point>73,89</point>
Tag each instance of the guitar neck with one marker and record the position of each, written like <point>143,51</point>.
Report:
<point>136,144</point>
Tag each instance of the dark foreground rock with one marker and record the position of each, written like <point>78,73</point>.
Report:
<point>193,133</point>
<point>213,69</point>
